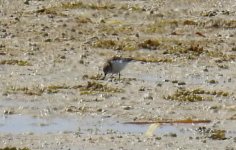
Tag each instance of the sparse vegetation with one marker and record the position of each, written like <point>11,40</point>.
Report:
<point>195,95</point>
<point>56,10</point>
<point>149,44</point>
<point>214,134</point>
<point>15,62</point>
<point>160,26</point>
<point>90,88</point>
<point>96,87</point>
<point>152,59</point>
<point>25,90</point>
<point>191,51</point>
<point>126,44</point>
<point>38,90</point>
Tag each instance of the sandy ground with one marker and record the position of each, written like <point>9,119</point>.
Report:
<point>51,50</point>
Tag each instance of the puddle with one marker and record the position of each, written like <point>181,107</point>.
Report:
<point>23,124</point>
<point>84,125</point>
<point>16,124</point>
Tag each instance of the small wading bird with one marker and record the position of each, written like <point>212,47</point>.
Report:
<point>115,65</point>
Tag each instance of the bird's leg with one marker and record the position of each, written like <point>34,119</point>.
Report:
<point>119,75</point>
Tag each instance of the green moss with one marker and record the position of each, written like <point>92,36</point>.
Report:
<point>126,44</point>
<point>218,22</point>
<point>15,62</point>
<point>160,26</point>
<point>25,90</point>
<point>135,8</point>
<point>55,87</point>
<point>149,44</point>
<point>82,109</point>
<point>190,52</point>
<point>185,95</point>
<point>108,44</point>
<point>97,6</point>
<point>194,95</point>
<point>56,10</point>
<point>73,5</point>
<point>94,77</point>
<point>218,135</point>
<point>83,20</point>
<point>221,56</point>
<point>116,28</point>
<point>101,6</point>
<point>96,87</point>
<point>152,59</point>
<point>214,134</point>
<point>37,90</point>
<point>189,22</point>
<point>51,10</point>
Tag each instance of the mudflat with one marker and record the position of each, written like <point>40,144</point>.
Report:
<point>178,92</point>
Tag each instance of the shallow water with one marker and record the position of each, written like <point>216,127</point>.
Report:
<point>16,124</point>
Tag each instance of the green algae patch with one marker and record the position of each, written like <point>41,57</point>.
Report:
<point>214,134</point>
<point>96,87</point>
<point>55,88</point>
<point>101,6</point>
<point>185,95</point>
<point>81,109</point>
<point>218,135</point>
<point>107,44</point>
<point>15,62</point>
<point>51,10</point>
<point>56,10</point>
<point>83,20</point>
<point>126,44</point>
<point>134,8</point>
<point>192,51</point>
<point>152,59</point>
<point>96,6</point>
<point>221,57</point>
<point>149,44</point>
<point>38,91</point>
<point>116,27</point>
<point>94,77</point>
<point>160,26</point>
<point>73,5</point>
<point>189,22</point>
<point>194,95</point>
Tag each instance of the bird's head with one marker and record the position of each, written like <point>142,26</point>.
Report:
<point>107,68</point>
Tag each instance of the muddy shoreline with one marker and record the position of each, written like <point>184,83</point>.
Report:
<point>183,68</point>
